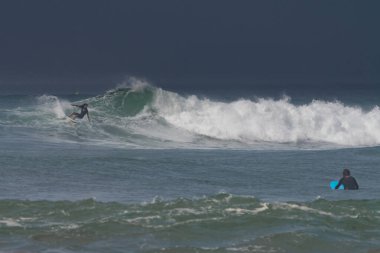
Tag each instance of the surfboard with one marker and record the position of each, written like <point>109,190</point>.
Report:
<point>334,183</point>
<point>70,120</point>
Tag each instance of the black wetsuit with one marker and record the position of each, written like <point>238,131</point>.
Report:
<point>83,112</point>
<point>348,182</point>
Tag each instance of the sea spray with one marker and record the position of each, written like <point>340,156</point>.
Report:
<point>52,104</point>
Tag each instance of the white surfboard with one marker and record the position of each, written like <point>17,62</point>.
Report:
<point>70,120</point>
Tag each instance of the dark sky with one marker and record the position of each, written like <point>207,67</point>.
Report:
<point>61,45</point>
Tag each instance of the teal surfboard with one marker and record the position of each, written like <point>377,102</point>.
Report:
<point>334,183</point>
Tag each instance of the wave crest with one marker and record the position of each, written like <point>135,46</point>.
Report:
<point>144,116</point>
<point>268,120</point>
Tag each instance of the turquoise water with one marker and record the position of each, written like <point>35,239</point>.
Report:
<point>156,171</point>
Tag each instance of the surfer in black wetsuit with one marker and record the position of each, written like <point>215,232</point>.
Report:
<point>83,111</point>
<point>348,181</point>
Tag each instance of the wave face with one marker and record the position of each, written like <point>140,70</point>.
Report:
<point>220,223</point>
<point>145,116</point>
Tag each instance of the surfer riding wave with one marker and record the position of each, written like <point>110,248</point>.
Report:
<point>82,113</point>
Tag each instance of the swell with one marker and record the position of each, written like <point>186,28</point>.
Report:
<point>222,209</point>
<point>220,222</point>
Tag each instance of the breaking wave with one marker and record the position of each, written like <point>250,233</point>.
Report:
<point>145,116</point>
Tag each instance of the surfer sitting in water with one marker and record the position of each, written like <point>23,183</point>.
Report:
<point>348,181</point>
<point>80,115</point>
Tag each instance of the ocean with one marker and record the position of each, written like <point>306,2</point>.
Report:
<point>168,171</point>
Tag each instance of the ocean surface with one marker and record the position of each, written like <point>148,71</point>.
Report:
<point>163,171</point>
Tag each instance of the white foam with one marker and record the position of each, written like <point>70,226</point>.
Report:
<point>72,226</point>
<point>145,219</point>
<point>289,206</point>
<point>242,211</point>
<point>268,120</point>
<point>251,248</point>
<point>10,223</point>
<point>186,211</point>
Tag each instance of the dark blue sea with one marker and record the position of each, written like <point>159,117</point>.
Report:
<point>157,170</point>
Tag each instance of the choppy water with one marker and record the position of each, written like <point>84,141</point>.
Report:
<point>156,171</point>
<point>219,223</point>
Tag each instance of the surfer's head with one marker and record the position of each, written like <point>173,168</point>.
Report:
<point>346,172</point>
<point>85,105</point>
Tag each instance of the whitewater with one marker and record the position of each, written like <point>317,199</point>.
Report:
<point>143,116</point>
